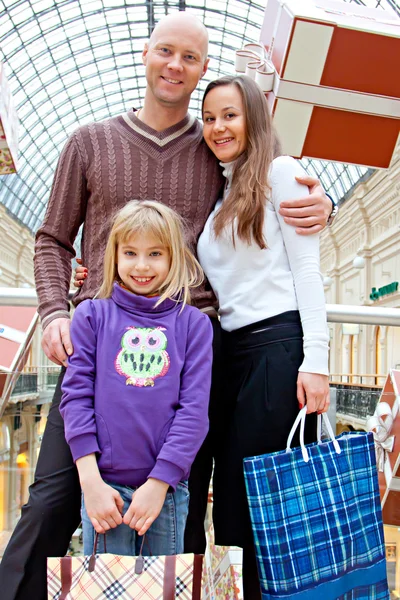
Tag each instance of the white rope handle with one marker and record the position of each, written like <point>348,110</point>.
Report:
<point>330,432</point>
<point>301,417</point>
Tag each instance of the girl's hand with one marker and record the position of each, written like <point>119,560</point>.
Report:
<point>103,505</point>
<point>80,275</point>
<point>313,390</point>
<point>146,505</point>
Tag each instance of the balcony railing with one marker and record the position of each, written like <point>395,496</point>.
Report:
<point>52,379</point>
<point>27,383</point>
<point>355,402</point>
<point>360,379</point>
<point>337,313</point>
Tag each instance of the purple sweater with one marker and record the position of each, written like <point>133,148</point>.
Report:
<point>136,390</point>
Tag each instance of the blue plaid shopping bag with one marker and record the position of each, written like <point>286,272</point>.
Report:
<point>316,518</point>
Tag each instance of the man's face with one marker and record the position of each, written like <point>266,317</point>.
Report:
<point>175,61</point>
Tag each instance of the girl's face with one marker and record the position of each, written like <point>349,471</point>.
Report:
<point>224,122</point>
<point>143,264</point>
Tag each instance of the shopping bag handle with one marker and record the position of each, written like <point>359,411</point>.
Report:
<point>92,559</point>
<point>139,564</point>
<point>301,417</point>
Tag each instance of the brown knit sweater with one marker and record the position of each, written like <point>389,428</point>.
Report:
<point>103,166</point>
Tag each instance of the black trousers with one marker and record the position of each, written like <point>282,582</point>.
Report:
<point>52,513</point>
<point>200,475</point>
<point>261,367</point>
<point>49,518</point>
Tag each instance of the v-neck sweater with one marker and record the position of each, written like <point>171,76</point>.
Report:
<point>102,166</point>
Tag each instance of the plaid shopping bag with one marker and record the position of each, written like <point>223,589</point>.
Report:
<point>112,577</point>
<point>317,521</point>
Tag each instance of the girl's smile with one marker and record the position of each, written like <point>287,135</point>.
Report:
<point>224,124</point>
<point>143,264</point>
<point>142,281</point>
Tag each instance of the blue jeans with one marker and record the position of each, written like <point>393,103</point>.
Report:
<point>165,536</point>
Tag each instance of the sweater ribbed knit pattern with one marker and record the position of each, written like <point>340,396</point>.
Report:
<point>103,166</point>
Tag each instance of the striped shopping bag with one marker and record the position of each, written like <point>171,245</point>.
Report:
<point>316,519</point>
<point>112,577</point>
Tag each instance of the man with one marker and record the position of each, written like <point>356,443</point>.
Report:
<point>156,153</point>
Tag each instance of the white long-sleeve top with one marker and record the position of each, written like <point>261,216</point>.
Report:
<point>253,284</point>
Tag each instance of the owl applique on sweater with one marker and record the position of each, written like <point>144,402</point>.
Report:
<point>143,356</point>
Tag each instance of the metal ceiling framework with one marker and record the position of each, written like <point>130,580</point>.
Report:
<point>70,62</point>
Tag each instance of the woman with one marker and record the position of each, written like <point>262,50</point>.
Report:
<point>271,299</point>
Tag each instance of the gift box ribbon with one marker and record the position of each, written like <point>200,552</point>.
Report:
<point>381,425</point>
<point>254,62</point>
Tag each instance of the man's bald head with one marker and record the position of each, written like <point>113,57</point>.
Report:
<point>175,59</point>
<point>179,22</point>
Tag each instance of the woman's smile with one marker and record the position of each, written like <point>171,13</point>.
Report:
<point>224,141</point>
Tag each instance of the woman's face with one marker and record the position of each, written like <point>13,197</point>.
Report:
<point>224,123</point>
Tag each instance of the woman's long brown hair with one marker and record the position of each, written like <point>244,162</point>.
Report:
<point>249,189</point>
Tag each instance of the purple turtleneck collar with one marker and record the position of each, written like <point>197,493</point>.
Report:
<point>134,303</point>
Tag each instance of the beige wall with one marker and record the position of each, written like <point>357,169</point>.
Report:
<point>16,252</point>
<point>368,226</point>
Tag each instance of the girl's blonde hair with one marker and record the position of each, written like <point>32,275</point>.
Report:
<point>245,203</point>
<point>148,216</point>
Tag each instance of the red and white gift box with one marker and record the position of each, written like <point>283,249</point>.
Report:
<point>8,127</point>
<point>385,425</point>
<point>331,74</point>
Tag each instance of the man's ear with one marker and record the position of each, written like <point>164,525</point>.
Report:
<point>205,67</point>
<point>144,53</point>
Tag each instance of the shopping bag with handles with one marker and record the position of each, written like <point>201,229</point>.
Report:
<point>316,518</point>
<point>112,577</point>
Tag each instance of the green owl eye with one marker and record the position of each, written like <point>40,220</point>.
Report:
<point>133,339</point>
<point>155,340</point>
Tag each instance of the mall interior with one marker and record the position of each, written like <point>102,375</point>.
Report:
<point>71,62</point>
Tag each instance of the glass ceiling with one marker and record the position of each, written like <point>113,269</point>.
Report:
<point>70,62</point>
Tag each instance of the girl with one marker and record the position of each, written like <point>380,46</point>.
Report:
<point>136,391</point>
<point>271,303</point>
